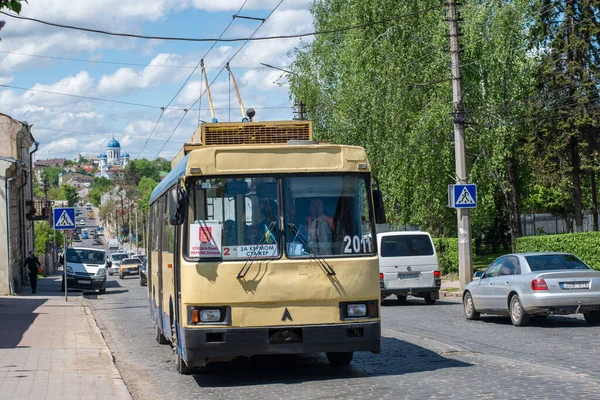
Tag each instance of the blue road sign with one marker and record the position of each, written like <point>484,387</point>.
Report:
<point>64,218</point>
<point>464,196</point>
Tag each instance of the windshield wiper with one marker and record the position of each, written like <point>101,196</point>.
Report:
<point>248,263</point>
<point>314,254</point>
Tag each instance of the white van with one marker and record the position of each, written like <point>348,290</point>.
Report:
<point>408,265</point>
<point>113,244</point>
<point>86,269</point>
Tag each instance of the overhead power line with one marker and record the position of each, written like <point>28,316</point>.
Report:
<point>221,39</point>
<point>187,80</point>
<point>87,97</point>
<point>216,77</point>
<point>121,63</point>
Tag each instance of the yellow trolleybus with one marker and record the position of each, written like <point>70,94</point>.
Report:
<point>263,242</point>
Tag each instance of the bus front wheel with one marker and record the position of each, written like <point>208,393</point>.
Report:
<point>182,367</point>
<point>340,358</point>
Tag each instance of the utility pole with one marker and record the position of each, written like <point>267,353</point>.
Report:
<point>137,238</point>
<point>465,256</point>
<point>300,110</point>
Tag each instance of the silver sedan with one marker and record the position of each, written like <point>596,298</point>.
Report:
<point>540,284</point>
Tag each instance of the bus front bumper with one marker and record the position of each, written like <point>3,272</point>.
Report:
<point>203,344</point>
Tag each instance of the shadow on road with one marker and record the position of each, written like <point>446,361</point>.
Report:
<point>263,370</point>
<point>553,321</point>
<point>414,302</point>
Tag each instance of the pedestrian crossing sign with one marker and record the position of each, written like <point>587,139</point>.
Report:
<point>64,218</point>
<point>462,196</point>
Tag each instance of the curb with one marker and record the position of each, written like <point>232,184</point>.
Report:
<point>451,294</point>
<point>117,378</point>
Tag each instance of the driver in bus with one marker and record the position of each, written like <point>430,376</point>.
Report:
<point>320,228</point>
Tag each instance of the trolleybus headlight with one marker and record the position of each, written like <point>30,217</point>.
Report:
<point>210,315</point>
<point>357,310</point>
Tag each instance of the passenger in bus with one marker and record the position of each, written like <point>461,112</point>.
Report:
<point>320,228</point>
<point>267,227</point>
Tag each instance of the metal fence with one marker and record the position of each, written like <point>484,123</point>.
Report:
<point>548,224</point>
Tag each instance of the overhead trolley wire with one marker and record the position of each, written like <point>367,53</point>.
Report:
<point>216,77</point>
<point>221,39</point>
<point>187,80</point>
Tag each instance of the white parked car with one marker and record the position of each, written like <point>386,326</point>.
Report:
<point>81,222</point>
<point>408,265</point>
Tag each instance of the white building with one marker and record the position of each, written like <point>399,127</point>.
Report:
<point>112,158</point>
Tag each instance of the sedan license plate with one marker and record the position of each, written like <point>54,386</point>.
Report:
<point>85,282</point>
<point>409,276</point>
<point>574,285</point>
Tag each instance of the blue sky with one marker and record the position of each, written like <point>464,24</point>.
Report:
<point>68,126</point>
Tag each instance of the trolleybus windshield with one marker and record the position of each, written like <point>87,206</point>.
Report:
<point>239,218</point>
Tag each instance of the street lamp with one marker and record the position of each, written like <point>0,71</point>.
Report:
<point>300,104</point>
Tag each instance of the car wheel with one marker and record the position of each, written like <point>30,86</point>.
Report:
<point>592,317</point>
<point>401,298</point>
<point>429,300</point>
<point>518,316</point>
<point>343,358</point>
<point>102,291</point>
<point>160,338</point>
<point>470,312</point>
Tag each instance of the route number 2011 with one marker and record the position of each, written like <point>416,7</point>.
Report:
<point>354,243</point>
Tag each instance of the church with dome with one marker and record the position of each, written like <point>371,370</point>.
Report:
<point>112,163</point>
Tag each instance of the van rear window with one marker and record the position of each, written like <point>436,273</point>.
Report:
<point>406,246</point>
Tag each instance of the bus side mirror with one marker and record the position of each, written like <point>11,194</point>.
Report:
<point>176,206</point>
<point>379,209</point>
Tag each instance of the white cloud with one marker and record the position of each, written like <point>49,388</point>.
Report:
<point>126,79</point>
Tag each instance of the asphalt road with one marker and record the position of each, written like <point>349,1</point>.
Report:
<point>427,352</point>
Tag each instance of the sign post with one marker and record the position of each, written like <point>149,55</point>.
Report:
<point>64,219</point>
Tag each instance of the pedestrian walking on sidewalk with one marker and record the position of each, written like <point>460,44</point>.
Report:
<point>31,264</point>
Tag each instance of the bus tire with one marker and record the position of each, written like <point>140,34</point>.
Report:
<point>343,358</point>
<point>160,338</point>
<point>182,367</point>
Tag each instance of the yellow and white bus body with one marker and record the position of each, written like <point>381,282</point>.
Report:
<point>242,276</point>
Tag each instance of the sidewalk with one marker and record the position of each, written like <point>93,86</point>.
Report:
<point>52,349</point>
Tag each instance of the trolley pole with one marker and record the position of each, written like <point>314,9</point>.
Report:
<point>465,262</point>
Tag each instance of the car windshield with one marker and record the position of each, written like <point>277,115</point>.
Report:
<point>117,257</point>
<point>406,245</point>
<point>130,261</point>
<point>83,256</point>
<point>549,262</point>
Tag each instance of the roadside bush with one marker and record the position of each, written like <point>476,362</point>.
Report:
<point>584,245</point>
<point>447,252</point>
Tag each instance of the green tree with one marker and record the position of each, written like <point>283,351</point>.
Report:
<point>44,234</point>
<point>132,174</point>
<point>98,187</point>
<point>50,175</point>
<point>70,194</point>
<point>13,5</point>
<point>567,110</point>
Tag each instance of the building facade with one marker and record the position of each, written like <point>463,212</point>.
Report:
<point>112,161</point>
<point>17,208</point>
